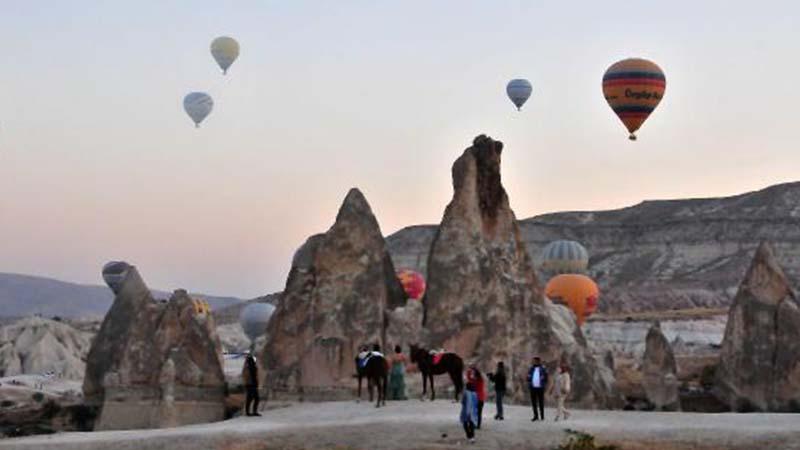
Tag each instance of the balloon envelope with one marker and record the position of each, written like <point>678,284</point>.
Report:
<point>413,283</point>
<point>114,273</point>
<point>519,90</point>
<point>564,256</point>
<point>633,88</point>
<point>576,291</point>
<point>254,319</point>
<point>198,106</point>
<point>225,50</point>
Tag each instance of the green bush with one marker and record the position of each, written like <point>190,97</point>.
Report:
<point>578,440</point>
<point>7,404</point>
<point>37,397</point>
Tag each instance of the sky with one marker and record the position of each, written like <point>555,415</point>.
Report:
<point>99,162</point>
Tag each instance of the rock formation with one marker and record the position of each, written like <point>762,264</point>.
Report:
<point>759,367</point>
<point>658,255</point>
<point>483,299</point>
<point>143,342</point>
<point>35,345</point>
<point>659,371</point>
<point>339,289</point>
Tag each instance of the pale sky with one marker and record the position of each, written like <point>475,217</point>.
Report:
<point>99,162</point>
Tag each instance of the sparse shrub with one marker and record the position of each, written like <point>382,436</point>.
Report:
<point>578,440</point>
<point>57,318</point>
<point>37,397</point>
<point>7,404</point>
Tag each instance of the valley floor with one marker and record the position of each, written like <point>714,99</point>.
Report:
<point>424,425</point>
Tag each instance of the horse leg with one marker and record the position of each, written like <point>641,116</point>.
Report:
<point>359,389</point>
<point>385,388</point>
<point>424,385</point>
<point>378,385</point>
<point>369,387</point>
<point>458,383</point>
<point>433,390</point>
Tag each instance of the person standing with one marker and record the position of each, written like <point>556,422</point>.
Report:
<point>499,380</point>
<point>397,381</point>
<point>476,378</point>
<point>250,380</point>
<point>560,389</point>
<point>537,383</point>
<point>469,411</point>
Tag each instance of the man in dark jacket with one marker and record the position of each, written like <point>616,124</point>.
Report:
<point>250,379</point>
<point>499,380</point>
<point>537,383</point>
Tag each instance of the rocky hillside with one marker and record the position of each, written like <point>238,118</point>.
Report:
<point>37,346</point>
<point>659,255</point>
<point>26,295</point>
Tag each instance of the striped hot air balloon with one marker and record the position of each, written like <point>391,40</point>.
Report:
<point>413,283</point>
<point>576,291</point>
<point>633,88</point>
<point>564,256</point>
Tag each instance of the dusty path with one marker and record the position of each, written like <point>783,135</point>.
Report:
<point>417,425</point>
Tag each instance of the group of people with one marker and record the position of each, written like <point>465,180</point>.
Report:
<point>473,398</point>
<point>538,382</point>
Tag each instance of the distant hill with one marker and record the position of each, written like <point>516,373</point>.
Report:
<point>658,255</point>
<point>25,295</point>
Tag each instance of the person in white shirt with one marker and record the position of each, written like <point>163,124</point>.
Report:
<point>537,383</point>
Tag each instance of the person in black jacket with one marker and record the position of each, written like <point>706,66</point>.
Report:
<point>250,381</point>
<point>537,383</point>
<point>499,380</point>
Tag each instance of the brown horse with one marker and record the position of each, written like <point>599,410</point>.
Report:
<point>450,363</point>
<point>376,370</point>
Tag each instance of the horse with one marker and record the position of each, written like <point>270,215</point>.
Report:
<point>450,363</point>
<point>376,370</point>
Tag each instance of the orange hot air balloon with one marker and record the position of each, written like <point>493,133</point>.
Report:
<point>633,88</point>
<point>578,292</point>
<point>413,283</point>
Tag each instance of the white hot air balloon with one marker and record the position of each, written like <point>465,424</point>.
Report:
<point>225,50</point>
<point>198,106</point>
<point>254,319</point>
<point>519,90</point>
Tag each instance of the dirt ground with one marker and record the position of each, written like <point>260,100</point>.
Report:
<point>433,425</point>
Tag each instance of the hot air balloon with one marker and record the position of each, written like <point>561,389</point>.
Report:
<point>633,88</point>
<point>114,273</point>
<point>254,319</point>
<point>576,291</point>
<point>413,283</point>
<point>198,106</point>
<point>225,50</point>
<point>564,256</point>
<point>519,90</point>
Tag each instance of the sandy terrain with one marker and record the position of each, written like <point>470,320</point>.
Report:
<point>417,425</point>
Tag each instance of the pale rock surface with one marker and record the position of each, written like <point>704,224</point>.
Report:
<point>483,299</point>
<point>759,366</point>
<point>139,339</point>
<point>339,288</point>
<point>36,345</point>
<point>659,371</point>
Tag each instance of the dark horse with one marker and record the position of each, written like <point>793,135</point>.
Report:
<point>450,363</point>
<point>377,373</point>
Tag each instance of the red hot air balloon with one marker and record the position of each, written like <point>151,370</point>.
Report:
<point>633,88</point>
<point>413,283</point>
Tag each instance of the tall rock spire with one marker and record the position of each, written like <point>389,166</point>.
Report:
<point>483,299</point>
<point>338,291</point>
<point>759,366</point>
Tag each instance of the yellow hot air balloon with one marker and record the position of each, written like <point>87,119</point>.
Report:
<point>225,50</point>
<point>578,292</point>
<point>633,88</point>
